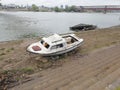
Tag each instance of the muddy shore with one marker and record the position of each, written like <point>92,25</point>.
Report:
<point>18,66</point>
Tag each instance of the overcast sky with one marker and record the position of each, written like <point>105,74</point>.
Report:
<point>62,2</point>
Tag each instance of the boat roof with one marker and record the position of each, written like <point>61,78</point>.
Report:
<point>54,39</point>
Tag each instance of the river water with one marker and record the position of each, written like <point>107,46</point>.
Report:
<point>18,25</point>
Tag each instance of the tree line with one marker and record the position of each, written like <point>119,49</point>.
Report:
<point>56,9</point>
<point>42,8</point>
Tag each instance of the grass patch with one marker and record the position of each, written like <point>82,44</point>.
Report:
<point>1,58</point>
<point>99,38</point>
<point>118,88</point>
<point>27,70</point>
<point>9,50</point>
<point>8,71</point>
<point>114,42</point>
<point>12,48</point>
<point>2,49</point>
<point>2,54</point>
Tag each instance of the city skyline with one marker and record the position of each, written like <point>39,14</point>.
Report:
<point>62,2</point>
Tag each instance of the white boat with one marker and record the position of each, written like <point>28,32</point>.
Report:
<point>55,44</point>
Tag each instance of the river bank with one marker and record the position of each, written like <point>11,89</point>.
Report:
<point>20,66</point>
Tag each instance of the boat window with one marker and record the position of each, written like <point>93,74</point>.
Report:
<point>53,47</point>
<point>42,41</point>
<point>46,45</point>
<point>57,46</point>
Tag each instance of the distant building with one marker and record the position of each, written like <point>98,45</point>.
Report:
<point>11,6</point>
<point>93,8</point>
<point>44,9</point>
<point>79,8</point>
<point>113,8</point>
<point>14,7</point>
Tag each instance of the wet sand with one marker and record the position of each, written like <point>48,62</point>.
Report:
<point>88,67</point>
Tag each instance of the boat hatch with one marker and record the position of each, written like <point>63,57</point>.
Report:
<point>70,39</point>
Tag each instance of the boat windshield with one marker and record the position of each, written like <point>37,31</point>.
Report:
<point>45,44</point>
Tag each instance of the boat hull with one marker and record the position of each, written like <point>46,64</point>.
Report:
<point>67,46</point>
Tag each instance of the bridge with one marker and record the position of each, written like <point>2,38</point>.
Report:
<point>102,8</point>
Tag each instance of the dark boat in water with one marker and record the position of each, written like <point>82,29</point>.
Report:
<point>81,27</point>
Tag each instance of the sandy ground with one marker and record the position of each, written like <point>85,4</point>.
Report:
<point>93,66</point>
<point>95,71</point>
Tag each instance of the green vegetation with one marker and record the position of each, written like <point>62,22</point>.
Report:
<point>42,8</point>
<point>99,38</point>
<point>70,9</point>
<point>1,54</point>
<point>1,58</point>
<point>27,70</point>
<point>118,88</point>
<point>35,8</point>
<point>2,49</point>
<point>57,9</point>
<point>9,50</point>
<point>66,9</point>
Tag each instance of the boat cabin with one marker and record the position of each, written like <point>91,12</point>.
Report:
<point>55,41</point>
